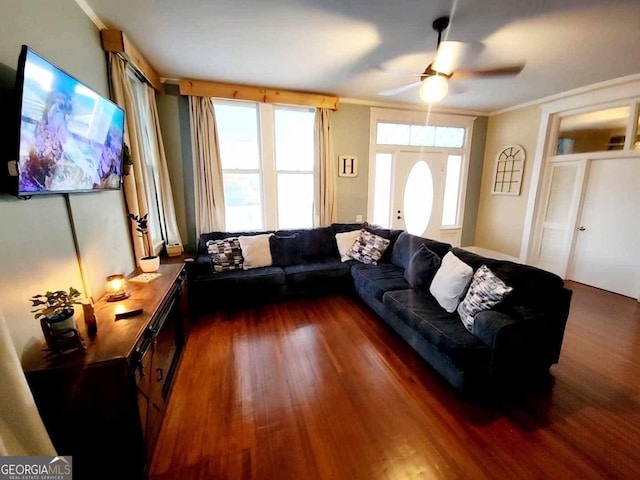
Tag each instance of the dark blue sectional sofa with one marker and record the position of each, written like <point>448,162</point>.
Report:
<point>519,338</point>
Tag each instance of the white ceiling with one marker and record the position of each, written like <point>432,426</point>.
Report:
<point>338,46</point>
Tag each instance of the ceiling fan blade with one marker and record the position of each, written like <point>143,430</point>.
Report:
<point>450,54</point>
<point>397,90</point>
<point>490,72</point>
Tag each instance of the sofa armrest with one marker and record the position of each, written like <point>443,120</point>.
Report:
<point>519,341</point>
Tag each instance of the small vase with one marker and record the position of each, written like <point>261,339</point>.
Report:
<point>149,264</point>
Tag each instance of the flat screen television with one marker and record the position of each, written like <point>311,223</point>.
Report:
<point>70,138</point>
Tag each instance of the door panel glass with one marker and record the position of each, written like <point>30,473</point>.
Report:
<point>382,190</point>
<point>452,137</point>
<point>423,135</point>
<point>393,134</point>
<point>452,191</point>
<point>418,198</point>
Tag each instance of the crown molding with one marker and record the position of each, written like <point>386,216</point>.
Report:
<point>412,106</point>
<point>571,93</point>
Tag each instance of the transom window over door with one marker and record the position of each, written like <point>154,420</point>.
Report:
<point>267,155</point>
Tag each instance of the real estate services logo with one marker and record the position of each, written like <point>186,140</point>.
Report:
<point>36,468</point>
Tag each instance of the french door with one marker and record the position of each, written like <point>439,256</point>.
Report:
<point>418,193</point>
<point>607,248</point>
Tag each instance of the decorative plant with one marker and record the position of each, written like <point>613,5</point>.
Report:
<point>142,228</point>
<point>127,160</point>
<point>54,303</point>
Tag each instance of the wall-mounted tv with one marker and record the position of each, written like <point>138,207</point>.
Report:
<point>70,137</point>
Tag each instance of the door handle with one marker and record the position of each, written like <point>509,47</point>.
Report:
<point>160,374</point>
<point>582,229</point>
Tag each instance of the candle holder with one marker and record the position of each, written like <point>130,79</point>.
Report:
<point>116,288</point>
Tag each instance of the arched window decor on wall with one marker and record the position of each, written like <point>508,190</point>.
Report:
<point>508,170</point>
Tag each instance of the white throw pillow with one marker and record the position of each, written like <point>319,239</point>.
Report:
<point>345,241</point>
<point>450,282</point>
<point>255,250</point>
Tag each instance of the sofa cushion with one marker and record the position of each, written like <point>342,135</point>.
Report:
<point>344,242</point>
<point>442,329</point>
<point>530,284</point>
<point>318,271</point>
<point>285,250</point>
<point>406,246</point>
<point>263,278</point>
<point>368,248</point>
<point>225,254</point>
<point>347,227</point>
<point>450,282</point>
<point>422,268</point>
<point>315,243</point>
<point>375,280</point>
<point>486,291</point>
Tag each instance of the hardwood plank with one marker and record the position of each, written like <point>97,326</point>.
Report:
<point>322,388</point>
<point>201,88</point>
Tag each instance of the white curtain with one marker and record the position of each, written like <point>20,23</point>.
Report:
<point>21,429</point>
<point>326,171</point>
<point>158,161</point>
<point>134,184</point>
<point>207,167</point>
<point>147,189</point>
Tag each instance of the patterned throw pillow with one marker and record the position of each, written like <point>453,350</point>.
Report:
<point>225,254</point>
<point>485,292</point>
<point>368,248</point>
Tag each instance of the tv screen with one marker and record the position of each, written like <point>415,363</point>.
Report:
<point>71,138</point>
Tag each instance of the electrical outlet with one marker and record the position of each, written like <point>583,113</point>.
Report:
<point>358,218</point>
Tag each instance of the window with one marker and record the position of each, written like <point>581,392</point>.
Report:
<point>151,176</point>
<point>595,131</point>
<point>294,130</point>
<point>240,157</point>
<point>267,155</point>
<point>419,135</point>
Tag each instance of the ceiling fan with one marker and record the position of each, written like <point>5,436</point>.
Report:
<point>434,81</point>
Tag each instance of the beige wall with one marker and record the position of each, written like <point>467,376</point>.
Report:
<point>501,217</point>
<point>350,124</point>
<point>37,251</point>
<point>172,138</point>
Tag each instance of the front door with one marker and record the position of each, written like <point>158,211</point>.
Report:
<point>418,193</point>
<point>607,249</point>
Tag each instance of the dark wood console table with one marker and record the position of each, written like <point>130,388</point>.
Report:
<point>104,405</point>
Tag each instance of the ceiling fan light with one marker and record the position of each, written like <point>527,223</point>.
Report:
<point>434,88</point>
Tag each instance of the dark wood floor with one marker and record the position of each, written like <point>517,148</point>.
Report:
<point>322,389</point>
